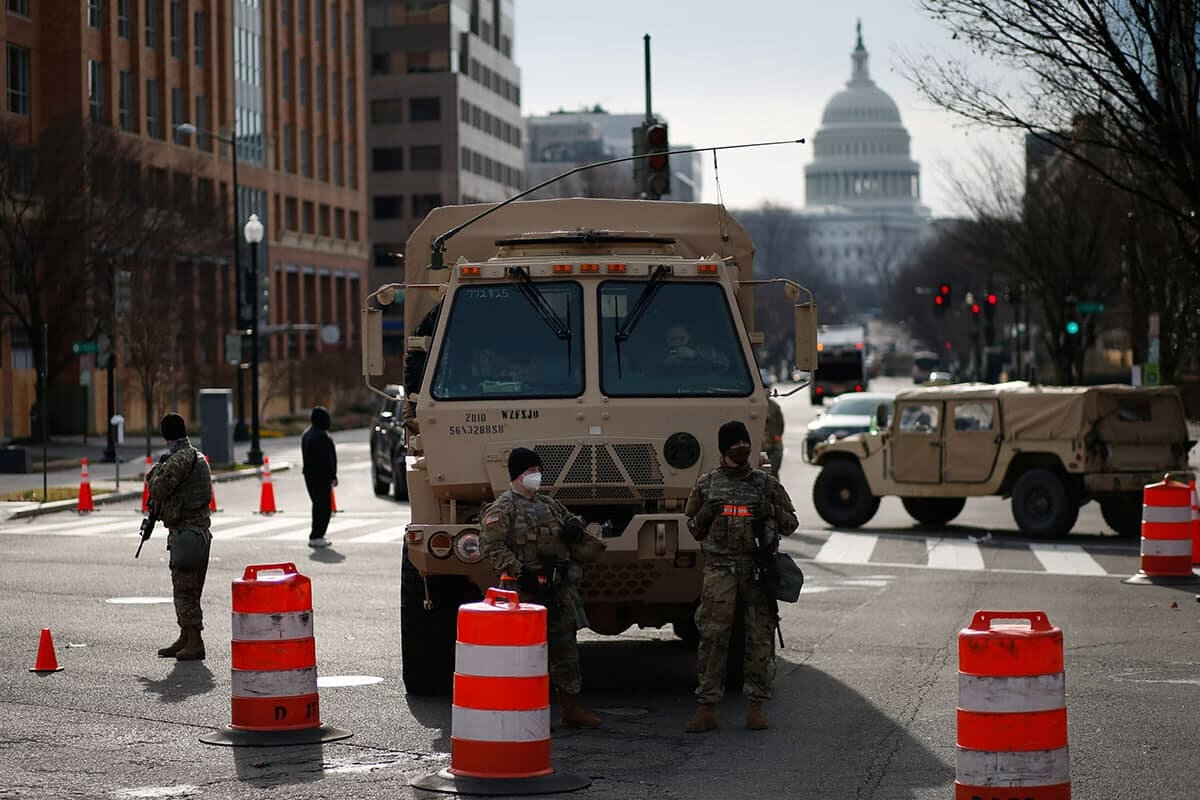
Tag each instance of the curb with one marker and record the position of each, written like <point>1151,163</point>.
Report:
<point>134,494</point>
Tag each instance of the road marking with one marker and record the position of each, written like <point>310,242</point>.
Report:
<point>78,527</point>
<point>847,548</point>
<point>391,534</point>
<point>238,531</point>
<point>337,526</point>
<point>957,554</point>
<point>1065,559</point>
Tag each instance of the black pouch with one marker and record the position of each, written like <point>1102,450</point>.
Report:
<point>791,578</point>
<point>189,548</point>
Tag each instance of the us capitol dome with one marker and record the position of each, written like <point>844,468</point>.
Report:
<point>863,189</point>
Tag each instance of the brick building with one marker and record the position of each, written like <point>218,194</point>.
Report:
<point>284,79</point>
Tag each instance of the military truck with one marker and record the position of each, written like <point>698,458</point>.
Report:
<point>1049,448</point>
<point>613,337</point>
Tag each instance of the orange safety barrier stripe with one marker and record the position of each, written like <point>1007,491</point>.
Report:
<point>270,598</point>
<point>1167,565</point>
<point>1020,655</point>
<point>1058,791</point>
<point>1013,732</point>
<point>1161,494</point>
<point>274,655</point>
<point>1167,530</point>
<point>276,713</point>
<point>521,627</point>
<point>470,758</point>
<point>502,694</point>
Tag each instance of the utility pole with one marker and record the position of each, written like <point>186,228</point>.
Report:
<point>646,47</point>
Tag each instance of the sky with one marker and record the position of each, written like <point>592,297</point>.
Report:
<point>747,71</point>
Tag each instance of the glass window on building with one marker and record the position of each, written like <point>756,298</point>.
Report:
<point>125,100</point>
<point>424,109</point>
<point>334,40</point>
<point>321,89</point>
<point>291,214</point>
<point>319,21</point>
<point>176,29</point>
<point>201,122</point>
<point>422,204</point>
<point>95,14</point>
<point>302,15</point>
<point>200,32</point>
<point>305,154</point>
<point>96,90</point>
<point>352,167</point>
<point>151,19</point>
<point>464,111</point>
<point>387,159</point>
<point>337,163</point>
<point>425,157</point>
<point>351,102</point>
<point>153,120</point>
<point>289,148</point>
<point>123,18</point>
<point>285,74</point>
<point>335,83</point>
<point>348,29</point>
<point>384,257</point>
<point>304,81</point>
<point>285,11</point>
<point>178,114</point>
<point>309,214</point>
<point>322,158</point>
<point>386,111</point>
<point>387,206</point>
<point>339,223</point>
<point>323,224</point>
<point>18,7</point>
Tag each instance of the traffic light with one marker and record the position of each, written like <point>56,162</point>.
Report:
<point>976,309</point>
<point>939,305</point>
<point>658,166</point>
<point>989,308</point>
<point>1072,327</point>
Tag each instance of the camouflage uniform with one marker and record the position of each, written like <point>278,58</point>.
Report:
<point>774,436</point>
<point>521,534</point>
<point>719,517</point>
<point>180,489</point>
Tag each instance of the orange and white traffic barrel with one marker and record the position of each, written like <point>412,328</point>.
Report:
<point>274,662</point>
<point>1195,525</point>
<point>1166,534</point>
<point>500,721</point>
<point>1012,709</point>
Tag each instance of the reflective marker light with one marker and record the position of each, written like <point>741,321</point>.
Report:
<point>616,267</point>
<point>589,267</point>
<point>708,269</point>
<point>561,268</point>
<point>469,272</point>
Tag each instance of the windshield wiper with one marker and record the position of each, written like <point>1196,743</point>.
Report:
<point>528,289</point>
<point>625,329</point>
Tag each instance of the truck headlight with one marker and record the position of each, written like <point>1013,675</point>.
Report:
<point>466,547</point>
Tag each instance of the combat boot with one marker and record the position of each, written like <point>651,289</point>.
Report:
<point>756,719</point>
<point>705,719</point>
<point>193,645</point>
<point>174,647</point>
<point>574,715</point>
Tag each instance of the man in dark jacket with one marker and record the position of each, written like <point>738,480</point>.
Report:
<point>320,473</point>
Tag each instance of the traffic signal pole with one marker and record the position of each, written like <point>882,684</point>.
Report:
<point>646,47</point>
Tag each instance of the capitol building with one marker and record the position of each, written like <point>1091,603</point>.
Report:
<point>863,189</point>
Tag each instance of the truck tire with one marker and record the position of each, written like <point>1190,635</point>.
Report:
<point>427,637</point>
<point>842,496</point>
<point>381,486</point>
<point>1043,506</point>
<point>400,477</point>
<point>935,511</point>
<point>1123,513</point>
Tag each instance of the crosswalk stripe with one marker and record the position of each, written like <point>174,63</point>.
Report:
<point>382,536</point>
<point>848,548</point>
<point>239,531</point>
<point>957,554</point>
<point>1065,559</point>
<point>337,526</point>
<point>78,527</point>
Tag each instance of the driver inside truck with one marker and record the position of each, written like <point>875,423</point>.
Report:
<point>680,349</point>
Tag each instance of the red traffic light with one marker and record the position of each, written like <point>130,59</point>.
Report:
<point>656,136</point>
<point>938,300</point>
<point>991,298</point>
<point>944,289</point>
<point>975,308</point>
<point>657,161</point>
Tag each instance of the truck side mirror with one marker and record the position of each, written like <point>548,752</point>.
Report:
<point>805,315</point>
<point>881,415</point>
<point>372,341</point>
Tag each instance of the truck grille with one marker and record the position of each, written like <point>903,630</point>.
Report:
<point>617,581</point>
<point>601,471</point>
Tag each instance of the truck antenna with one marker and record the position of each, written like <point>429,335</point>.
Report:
<point>438,246</point>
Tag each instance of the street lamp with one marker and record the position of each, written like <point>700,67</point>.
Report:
<point>240,432</point>
<point>254,235</point>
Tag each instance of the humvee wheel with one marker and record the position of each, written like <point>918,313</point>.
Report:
<point>933,510</point>
<point>381,486</point>
<point>842,496</point>
<point>400,477</point>
<point>427,637</point>
<point>1042,505</point>
<point>1123,513</point>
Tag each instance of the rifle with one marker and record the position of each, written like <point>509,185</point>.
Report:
<point>766,573</point>
<point>147,528</point>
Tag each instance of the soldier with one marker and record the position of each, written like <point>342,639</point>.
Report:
<point>320,473</point>
<point>774,446</point>
<point>723,510</point>
<point>531,537</point>
<point>180,490</point>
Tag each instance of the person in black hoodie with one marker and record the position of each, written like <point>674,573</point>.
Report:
<point>320,473</point>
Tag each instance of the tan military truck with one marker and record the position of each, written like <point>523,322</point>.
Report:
<point>613,337</point>
<point>1050,448</point>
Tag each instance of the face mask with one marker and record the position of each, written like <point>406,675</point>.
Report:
<point>738,455</point>
<point>532,482</point>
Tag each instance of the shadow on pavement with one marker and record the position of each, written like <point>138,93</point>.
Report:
<point>266,767</point>
<point>433,713</point>
<point>327,555</point>
<point>186,679</point>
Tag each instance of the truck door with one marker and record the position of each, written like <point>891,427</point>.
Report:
<point>972,440</point>
<point>917,443</point>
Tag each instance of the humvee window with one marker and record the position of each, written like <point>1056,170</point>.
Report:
<point>496,345</point>
<point>1133,410</point>
<point>973,417</point>
<point>685,346</point>
<point>918,419</point>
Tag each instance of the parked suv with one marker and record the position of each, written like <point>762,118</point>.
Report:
<point>1050,448</point>
<point>388,447</point>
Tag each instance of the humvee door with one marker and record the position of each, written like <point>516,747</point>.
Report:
<point>972,435</point>
<point>917,443</point>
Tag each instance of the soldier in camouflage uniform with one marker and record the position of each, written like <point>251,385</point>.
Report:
<point>532,538</point>
<point>722,511</point>
<point>180,490</point>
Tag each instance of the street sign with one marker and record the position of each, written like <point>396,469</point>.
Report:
<point>79,348</point>
<point>1089,308</point>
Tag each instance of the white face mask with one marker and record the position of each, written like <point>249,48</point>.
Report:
<point>532,482</point>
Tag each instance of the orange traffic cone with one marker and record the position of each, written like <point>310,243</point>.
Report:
<point>85,490</point>
<point>266,503</point>
<point>333,502</point>
<point>146,487</point>
<point>212,497</point>
<point>46,661</point>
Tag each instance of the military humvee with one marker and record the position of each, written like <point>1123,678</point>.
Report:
<point>557,325</point>
<point>1050,448</point>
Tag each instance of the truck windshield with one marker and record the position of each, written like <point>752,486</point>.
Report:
<point>685,346</point>
<point>497,347</point>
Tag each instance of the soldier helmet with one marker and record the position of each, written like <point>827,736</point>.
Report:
<point>173,427</point>
<point>730,434</point>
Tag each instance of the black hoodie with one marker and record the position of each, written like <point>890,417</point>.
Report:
<point>317,450</point>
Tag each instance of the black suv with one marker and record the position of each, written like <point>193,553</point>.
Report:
<point>388,450</point>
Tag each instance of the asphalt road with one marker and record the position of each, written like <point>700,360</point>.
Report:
<point>865,696</point>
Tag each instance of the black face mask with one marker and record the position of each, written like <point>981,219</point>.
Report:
<point>739,455</point>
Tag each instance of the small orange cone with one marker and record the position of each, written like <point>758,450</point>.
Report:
<point>333,502</point>
<point>266,503</point>
<point>46,661</point>
<point>85,490</point>
<point>212,497</point>
<point>146,487</point>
